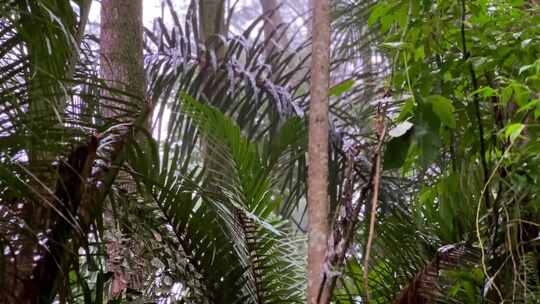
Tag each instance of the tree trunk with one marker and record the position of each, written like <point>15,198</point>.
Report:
<point>18,275</point>
<point>121,65</point>
<point>271,22</point>
<point>212,25</point>
<point>318,149</point>
<point>122,45</point>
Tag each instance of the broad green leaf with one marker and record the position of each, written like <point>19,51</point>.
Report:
<point>525,68</point>
<point>532,104</point>
<point>406,110</point>
<point>444,109</point>
<point>485,91</point>
<point>340,88</point>
<point>512,131</point>
<point>521,93</point>
<point>506,94</point>
<point>397,150</point>
<point>419,53</point>
<point>376,12</point>
<point>426,133</point>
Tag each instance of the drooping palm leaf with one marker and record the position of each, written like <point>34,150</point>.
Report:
<point>258,91</point>
<point>228,231</point>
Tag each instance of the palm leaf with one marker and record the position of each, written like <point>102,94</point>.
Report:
<point>235,248</point>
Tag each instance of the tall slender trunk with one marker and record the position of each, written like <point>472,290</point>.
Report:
<point>271,22</point>
<point>212,27</point>
<point>318,149</point>
<point>121,65</point>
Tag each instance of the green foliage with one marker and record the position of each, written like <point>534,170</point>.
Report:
<point>223,244</point>
<point>397,150</point>
<point>217,213</point>
<point>443,108</point>
<point>341,88</point>
<point>224,219</point>
<point>470,77</point>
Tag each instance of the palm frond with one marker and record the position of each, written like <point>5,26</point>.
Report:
<point>257,91</point>
<point>223,218</point>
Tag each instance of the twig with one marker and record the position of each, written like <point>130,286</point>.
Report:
<point>343,230</point>
<point>477,221</point>
<point>374,199</point>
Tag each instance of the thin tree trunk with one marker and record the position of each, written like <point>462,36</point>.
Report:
<point>121,64</point>
<point>271,22</point>
<point>275,40</point>
<point>318,149</point>
<point>212,26</point>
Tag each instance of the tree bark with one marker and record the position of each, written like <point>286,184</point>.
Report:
<point>121,65</point>
<point>212,25</point>
<point>122,45</point>
<point>318,149</point>
<point>271,22</point>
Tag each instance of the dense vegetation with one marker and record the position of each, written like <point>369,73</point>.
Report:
<point>194,190</point>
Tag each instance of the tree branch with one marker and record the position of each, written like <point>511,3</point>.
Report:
<point>343,231</point>
<point>374,200</point>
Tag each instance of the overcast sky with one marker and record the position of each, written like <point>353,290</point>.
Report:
<point>245,11</point>
<point>151,10</point>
